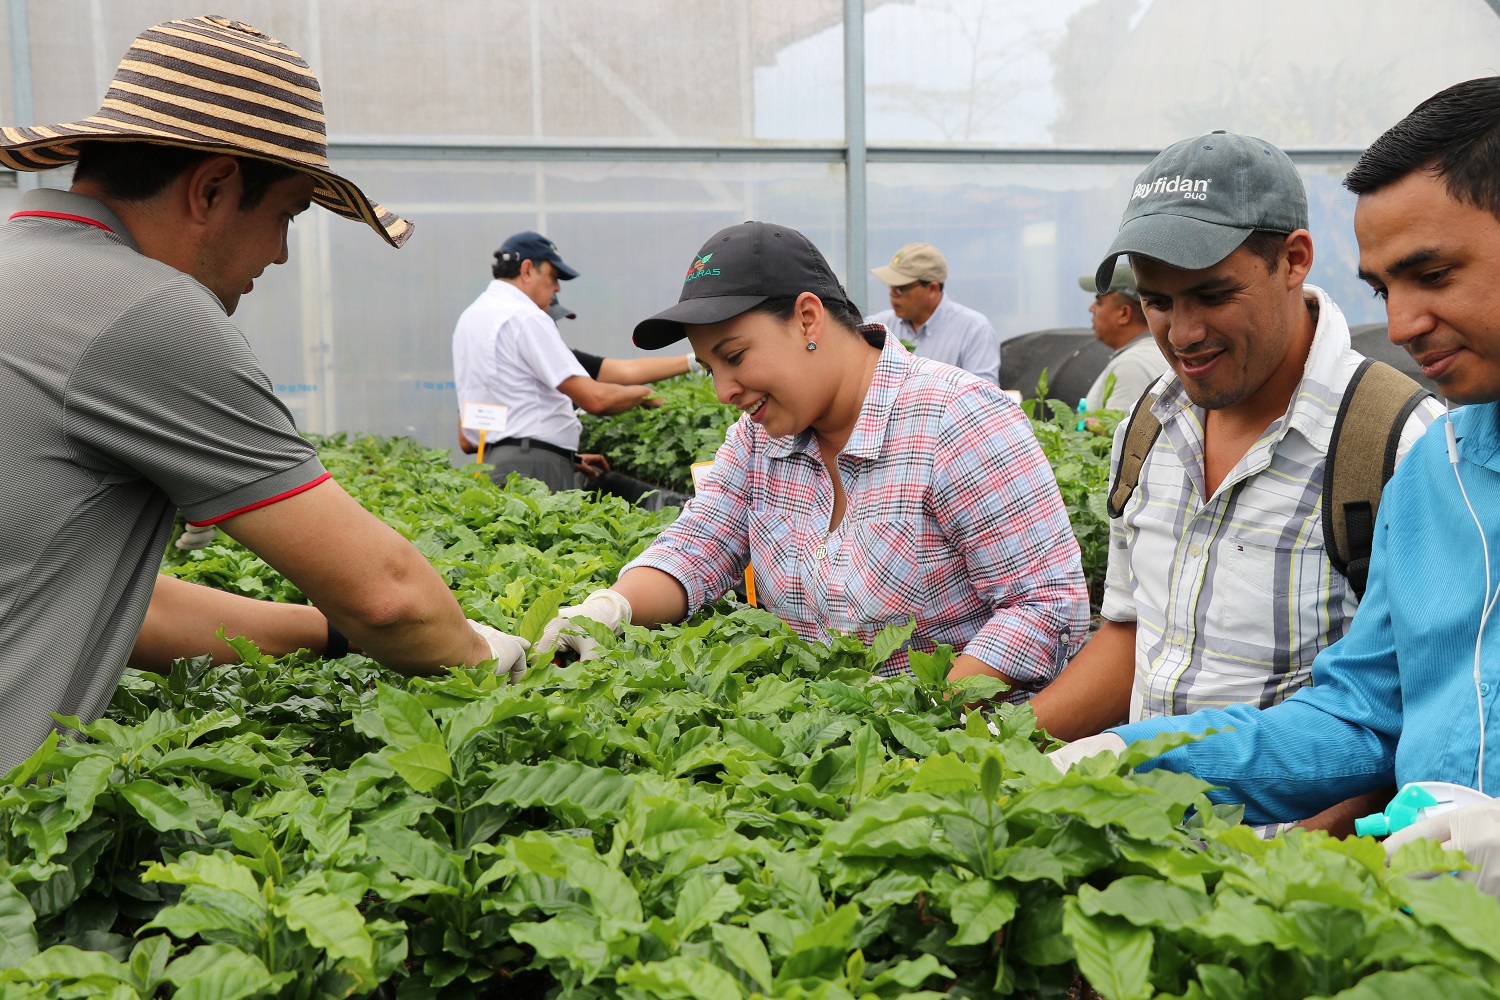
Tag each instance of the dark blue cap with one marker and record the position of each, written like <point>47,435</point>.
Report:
<point>536,248</point>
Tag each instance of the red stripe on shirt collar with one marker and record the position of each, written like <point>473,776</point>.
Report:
<point>63,215</point>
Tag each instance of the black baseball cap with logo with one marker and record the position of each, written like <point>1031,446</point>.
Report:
<point>736,270</point>
<point>1202,197</point>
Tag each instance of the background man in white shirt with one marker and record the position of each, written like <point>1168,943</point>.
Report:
<point>1120,322</point>
<point>507,351</point>
<point>923,315</point>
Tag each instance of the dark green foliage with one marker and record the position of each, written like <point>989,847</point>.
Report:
<point>713,810</point>
<point>659,446</point>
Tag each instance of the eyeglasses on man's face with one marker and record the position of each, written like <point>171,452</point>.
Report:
<point>899,290</point>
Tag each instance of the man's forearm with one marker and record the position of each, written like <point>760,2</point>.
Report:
<point>370,582</point>
<point>1339,820</point>
<point>183,619</point>
<point>635,371</point>
<point>1093,691</point>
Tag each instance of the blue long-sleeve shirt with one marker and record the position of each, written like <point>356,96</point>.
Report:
<point>1394,699</point>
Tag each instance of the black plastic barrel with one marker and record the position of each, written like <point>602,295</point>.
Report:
<point>1072,358</point>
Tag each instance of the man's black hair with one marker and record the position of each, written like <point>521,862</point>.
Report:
<point>1455,133</point>
<point>504,269</point>
<point>1268,246</point>
<point>1263,243</point>
<point>138,171</point>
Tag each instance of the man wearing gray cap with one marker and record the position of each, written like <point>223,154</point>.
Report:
<point>1219,589</point>
<point>922,314</point>
<point>1119,321</point>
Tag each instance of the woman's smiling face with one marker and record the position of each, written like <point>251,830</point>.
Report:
<point>761,366</point>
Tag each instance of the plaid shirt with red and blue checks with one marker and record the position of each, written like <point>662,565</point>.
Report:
<point>952,517</point>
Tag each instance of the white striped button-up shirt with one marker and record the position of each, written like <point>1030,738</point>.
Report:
<point>1234,594</point>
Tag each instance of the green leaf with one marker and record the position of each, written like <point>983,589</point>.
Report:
<point>980,908</point>
<point>1145,902</point>
<point>18,940</point>
<point>572,789</point>
<point>412,855</point>
<point>747,951</point>
<point>424,766</point>
<point>541,611</point>
<point>148,962</point>
<point>214,871</point>
<point>931,668</point>
<point>680,976</point>
<point>990,773</point>
<point>1113,955</point>
<point>86,780</point>
<point>914,733</point>
<point>399,719</point>
<point>1471,917</point>
<point>1425,855</point>
<point>217,972</point>
<point>67,964</point>
<point>333,924</point>
<point>944,774</point>
<point>911,974</point>
<point>753,735</point>
<point>160,805</point>
<point>701,902</point>
<point>1421,981</point>
<point>887,641</point>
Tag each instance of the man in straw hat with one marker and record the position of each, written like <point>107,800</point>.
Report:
<point>126,393</point>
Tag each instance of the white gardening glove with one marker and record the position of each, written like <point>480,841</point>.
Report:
<point>196,536</point>
<point>607,607</point>
<point>693,365</point>
<point>1474,830</point>
<point>1065,757</point>
<point>509,651</point>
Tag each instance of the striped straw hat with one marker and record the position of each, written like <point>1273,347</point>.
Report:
<point>211,83</point>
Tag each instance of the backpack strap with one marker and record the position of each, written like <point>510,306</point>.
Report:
<point>1140,435</point>
<point>1361,457</point>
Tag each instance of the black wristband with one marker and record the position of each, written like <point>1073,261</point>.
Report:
<point>337,645</point>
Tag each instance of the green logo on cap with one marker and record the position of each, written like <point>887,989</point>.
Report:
<point>700,269</point>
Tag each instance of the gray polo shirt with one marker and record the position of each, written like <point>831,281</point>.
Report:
<point>125,393</point>
<point>955,335</point>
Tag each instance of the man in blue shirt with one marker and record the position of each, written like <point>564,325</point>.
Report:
<point>1408,693</point>
<point>922,314</point>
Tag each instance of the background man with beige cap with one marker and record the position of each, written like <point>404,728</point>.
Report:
<point>1120,322</point>
<point>127,395</point>
<point>922,314</point>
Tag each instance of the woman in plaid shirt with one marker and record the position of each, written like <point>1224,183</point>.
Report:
<point>866,486</point>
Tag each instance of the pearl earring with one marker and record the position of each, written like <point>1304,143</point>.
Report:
<point>812,345</point>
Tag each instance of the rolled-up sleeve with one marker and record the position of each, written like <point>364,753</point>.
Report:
<point>708,547</point>
<point>997,501</point>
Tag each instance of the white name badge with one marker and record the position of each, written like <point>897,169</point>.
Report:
<point>700,472</point>
<point>486,417</point>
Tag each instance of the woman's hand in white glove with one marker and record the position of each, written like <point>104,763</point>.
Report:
<point>509,651</point>
<point>1065,757</point>
<point>607,607</point>
<point>1474,830</point>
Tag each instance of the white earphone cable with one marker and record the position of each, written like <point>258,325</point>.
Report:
<point>1489,598</point>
